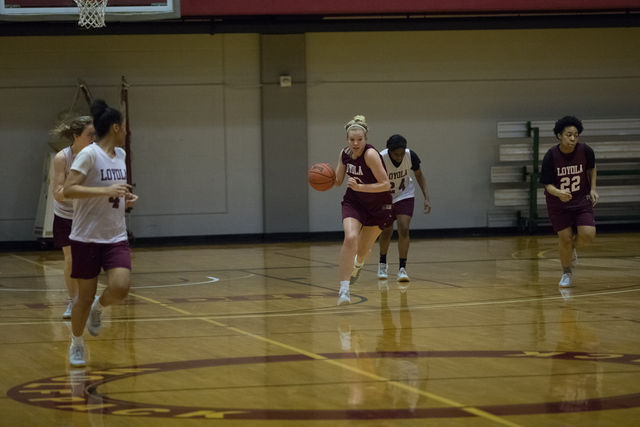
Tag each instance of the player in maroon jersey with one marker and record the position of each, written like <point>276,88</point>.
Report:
<point>569,178</point>
<point>366,206</point>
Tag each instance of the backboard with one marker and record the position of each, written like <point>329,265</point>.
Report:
<point>117,10</point>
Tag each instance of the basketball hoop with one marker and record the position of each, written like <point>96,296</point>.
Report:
<point>91,13</point>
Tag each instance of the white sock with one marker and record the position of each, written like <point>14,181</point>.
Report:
<point>344,284</point>
<point>77,340</point>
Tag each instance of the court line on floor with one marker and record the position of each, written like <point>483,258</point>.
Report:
<point>322,312</point>
<point>466,408</point>
<point>171,285</point>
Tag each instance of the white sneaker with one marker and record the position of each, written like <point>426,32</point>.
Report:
<point>95,318</point>
<point>383,271</point>
<point>67,312</point>
<point>355,274</point>
<point>565,280</point>
<point>402,275</point>
<point>344,297</point>
<point>76,355</point>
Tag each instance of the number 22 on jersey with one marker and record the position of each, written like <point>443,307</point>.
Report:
<point>570,182</point>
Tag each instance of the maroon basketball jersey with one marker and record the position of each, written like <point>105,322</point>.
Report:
<point>570,173</point>
<point>358,169</point>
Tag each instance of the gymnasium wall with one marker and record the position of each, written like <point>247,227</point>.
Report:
<point>196,114</point>
<point>446,90</point>
<point>195,122</point>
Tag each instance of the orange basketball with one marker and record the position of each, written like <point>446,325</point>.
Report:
<point>322,177</point>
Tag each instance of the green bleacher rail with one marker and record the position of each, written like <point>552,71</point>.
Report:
<point>531,221</point>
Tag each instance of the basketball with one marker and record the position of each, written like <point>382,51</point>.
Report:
<point>322,176</point>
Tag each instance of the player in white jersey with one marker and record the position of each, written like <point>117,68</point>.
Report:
<point>399,162</point>
<point>98,182</point>
<point>81,132</point>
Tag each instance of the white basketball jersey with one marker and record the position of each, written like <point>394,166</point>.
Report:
<point>100,219</point>
<point>402,186</point>
<point>64,209</point>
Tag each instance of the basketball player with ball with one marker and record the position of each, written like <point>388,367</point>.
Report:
<point>366,205</point>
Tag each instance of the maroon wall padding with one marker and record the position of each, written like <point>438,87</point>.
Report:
<point>356,7</point>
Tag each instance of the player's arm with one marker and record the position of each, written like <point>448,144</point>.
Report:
<point>374,162</point>
<point>57,184</point>
<point>340,170</point>
<point>422,183</point>
<point>74,188</point>
<point>564,195</point>
<point>594,189</point>
<point>592,174</point>
<point>547,179</point>
<point>131,199</point>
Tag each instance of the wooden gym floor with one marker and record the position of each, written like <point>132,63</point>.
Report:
<point>250,335</point>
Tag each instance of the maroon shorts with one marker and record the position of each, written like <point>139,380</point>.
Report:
<point>404,206</point>
<point>61,231</point>
<point>89,258</point>
<point>565,217</point>
<point>381,215</point>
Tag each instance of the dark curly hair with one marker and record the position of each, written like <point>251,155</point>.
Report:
<point>565,122</point>
<point>396,141</point>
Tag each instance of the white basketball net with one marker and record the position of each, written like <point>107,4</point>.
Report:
<point>91,13</point>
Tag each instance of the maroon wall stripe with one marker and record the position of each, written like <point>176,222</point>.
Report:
<point>340,7</point>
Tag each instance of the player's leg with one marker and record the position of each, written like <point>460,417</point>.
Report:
<point>116,262</point>
<point>82,305</point>
<point>349,247</point>
<point>72,285</point>
<point>404,222</point>
<point>563,222</point>
<point>585,235</point>
<point>79,315</point>
<point>586,226</point>
<point>384,241</point>
<point>565,249</point>
<point>85,268</point>
<point>118,286</point>
<point>367,238</point>
<point>348,250</point>
<point>61,231</point>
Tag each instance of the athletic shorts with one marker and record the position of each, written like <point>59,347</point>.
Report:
<point>88,258</point>
<point>565,217</point>
<point>380,215</point>
<point>61,231</point>
<point>404,206</point>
